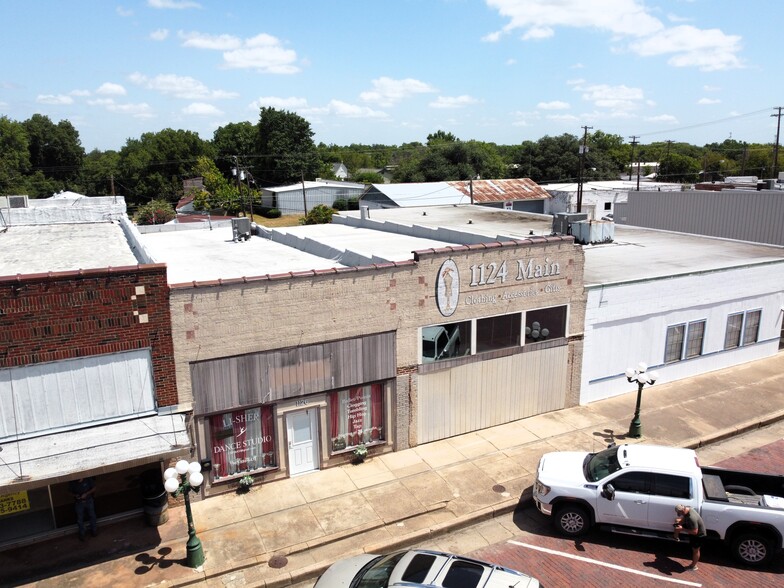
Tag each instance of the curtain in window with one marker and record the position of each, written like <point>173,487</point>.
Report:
<point>356,416</point>
<point>242,440</point>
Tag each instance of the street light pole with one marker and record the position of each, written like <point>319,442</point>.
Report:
<point>185,478</point>
<point>642,376</point>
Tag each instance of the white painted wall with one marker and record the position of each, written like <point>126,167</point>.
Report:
<point>627,324</point>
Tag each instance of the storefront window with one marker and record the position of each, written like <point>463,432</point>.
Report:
<point>545,323</point>
<point>446,341</point>
<point>242,441</point>
<point>498,332</point>
<point>356,416</point>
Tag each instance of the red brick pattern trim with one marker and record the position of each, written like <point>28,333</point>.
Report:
<point>66,315</point>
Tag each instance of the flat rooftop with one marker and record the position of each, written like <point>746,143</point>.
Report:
<point>34,249</point>
<point>635,253</point>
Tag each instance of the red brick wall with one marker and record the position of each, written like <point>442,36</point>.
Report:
<point>64,315</point>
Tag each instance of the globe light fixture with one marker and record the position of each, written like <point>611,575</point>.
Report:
<point>183,479</point>
<point>642,376</point>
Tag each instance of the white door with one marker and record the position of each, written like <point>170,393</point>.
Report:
<point>303,441</point>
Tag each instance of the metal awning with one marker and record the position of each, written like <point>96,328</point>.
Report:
<point>57,457</point>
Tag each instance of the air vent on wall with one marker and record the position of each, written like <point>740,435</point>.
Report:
<point>13,201</point>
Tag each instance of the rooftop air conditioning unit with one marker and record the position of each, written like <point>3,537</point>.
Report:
<point>240,228</point>
<point>562,221</point>
<point>13,201</point>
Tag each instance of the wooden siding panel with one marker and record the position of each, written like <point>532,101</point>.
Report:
<point>228,383</point>
<point>475,396</point>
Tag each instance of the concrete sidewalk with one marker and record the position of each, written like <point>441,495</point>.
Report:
<point>288,531</point>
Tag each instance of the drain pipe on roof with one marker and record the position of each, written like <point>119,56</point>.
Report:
<point>471,189</point>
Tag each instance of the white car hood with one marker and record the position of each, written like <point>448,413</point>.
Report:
<point>341,573</point>
<point>564,466</point>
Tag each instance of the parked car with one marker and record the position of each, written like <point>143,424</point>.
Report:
<point>608,217</point>
<point>420,567</point>
<point>633,489</point>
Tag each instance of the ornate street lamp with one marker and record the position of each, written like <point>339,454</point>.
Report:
<point>185,478</point>
<point>642,376</point>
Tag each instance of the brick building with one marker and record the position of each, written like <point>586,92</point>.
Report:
<point>87,383</point>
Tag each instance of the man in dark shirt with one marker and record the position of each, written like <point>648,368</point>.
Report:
<point>83,490</point>
<point>689,521</point>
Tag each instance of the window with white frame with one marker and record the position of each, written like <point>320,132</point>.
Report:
<point>684,341</point>
<point>742,329</point>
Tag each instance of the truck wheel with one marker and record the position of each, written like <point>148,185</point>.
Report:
<point>751,549</point>
<point>572,520</point>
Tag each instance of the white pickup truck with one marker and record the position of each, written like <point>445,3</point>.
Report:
<point>634,489</point>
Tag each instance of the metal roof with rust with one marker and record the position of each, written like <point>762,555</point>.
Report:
<point>502,190</point>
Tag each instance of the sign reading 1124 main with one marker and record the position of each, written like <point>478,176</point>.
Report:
<point>485,274</point>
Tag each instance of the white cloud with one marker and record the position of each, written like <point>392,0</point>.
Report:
<point>53,99</point>
<point>562,117</point>
<point>159,34</point>
<point>263,53</point>
<point>662,118</point>
<point>291,103</point>
<point>201,109</point>
<point>110,89</point>
<point>204,41</point>
<point>711,88</point>
<point>705,101</point>
<point>613,97</point>
<point>687,46</point>
<point>101,102</point>
<point>346,110</point>
<point>511,61</point>
<point>175,4</point>
<point>453,101</point>
<point>709,50</point>
<point>554,105</point>
<point>388,92</point>
<point>79,92</point>
<point>493,37</point>
<point>124,12</point>
<point>537,17</point>
<point>184,87</point>
<point>538,33</point>
<point>141,110</point>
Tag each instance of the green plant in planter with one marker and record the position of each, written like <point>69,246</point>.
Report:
<point>360,453</point>
<point>246,482</point>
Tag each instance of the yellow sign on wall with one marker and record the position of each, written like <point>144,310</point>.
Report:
<point>16,502</point>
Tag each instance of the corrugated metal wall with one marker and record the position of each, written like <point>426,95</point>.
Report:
<point>232,382</point>
<point>744,215</point>
<point>488,393</point>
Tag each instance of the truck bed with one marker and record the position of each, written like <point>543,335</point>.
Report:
<point>746,488</point>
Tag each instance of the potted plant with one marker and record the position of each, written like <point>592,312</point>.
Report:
<point>360,453</point>
<point>245,483</point>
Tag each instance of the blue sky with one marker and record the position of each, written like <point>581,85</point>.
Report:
<point>394,71</point>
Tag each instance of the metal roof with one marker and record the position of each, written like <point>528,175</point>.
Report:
<point>501,190</point>
<point>423,194</point>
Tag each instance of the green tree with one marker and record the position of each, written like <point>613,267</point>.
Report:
<point>99,168</point>
<point>14,157</point>
<point>154,166</point>
<point>320,214</point>
<point>218,192</point>
<point>155,212</point>
<point>55,151</point>
<point>679,168</point>
<point>285,149</point>
<point>441,137</point>
<point>234,140</point>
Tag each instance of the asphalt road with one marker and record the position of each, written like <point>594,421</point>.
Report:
<point>526,541</point>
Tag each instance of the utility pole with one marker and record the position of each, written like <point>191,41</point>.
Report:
<point>583,149</point>
<point>304,200</point>
<point>667,159</point>
<point>239,185</point>
<point>631,161</point>
<point>776,146</point>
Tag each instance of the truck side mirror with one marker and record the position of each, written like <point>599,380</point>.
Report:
<point>608,492</point>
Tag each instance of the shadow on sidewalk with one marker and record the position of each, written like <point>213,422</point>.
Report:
<point>47,559</point>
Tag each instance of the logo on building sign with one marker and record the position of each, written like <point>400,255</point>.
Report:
<point>447,288</point>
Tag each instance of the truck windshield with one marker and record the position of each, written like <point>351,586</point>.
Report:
<point>598,466</point>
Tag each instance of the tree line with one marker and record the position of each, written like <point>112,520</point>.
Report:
<point>40,158</point>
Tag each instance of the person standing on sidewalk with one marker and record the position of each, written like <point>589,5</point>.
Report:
<point>689,521</point>
<point>83,490</point>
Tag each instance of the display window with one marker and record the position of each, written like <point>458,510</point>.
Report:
<point>356,416</point>
<point>242,441</point>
